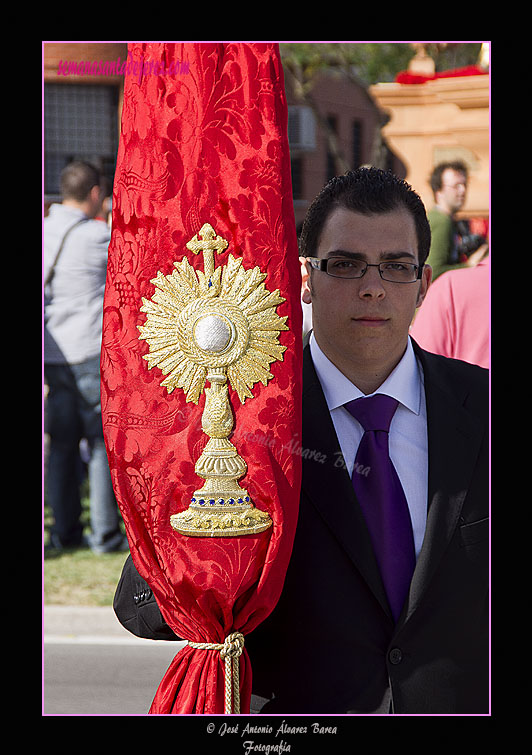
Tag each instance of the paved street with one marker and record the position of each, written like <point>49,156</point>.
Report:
<point>92,665</point>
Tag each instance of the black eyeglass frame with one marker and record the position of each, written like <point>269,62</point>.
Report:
<point>321,264</point>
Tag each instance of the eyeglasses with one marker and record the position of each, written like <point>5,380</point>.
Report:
<point>459,185</point>
<point>392,270</point>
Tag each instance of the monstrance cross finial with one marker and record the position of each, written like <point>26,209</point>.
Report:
<point>208,242</point>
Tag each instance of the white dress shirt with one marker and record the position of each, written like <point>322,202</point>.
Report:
<point>408,430</point>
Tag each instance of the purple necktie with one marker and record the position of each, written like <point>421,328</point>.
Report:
<point>382,499</point>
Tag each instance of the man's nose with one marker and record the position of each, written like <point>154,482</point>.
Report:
<point>371,284</point>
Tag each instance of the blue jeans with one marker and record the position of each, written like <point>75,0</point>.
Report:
<point>73,412</point>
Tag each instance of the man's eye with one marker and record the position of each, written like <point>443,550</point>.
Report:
<point>397,266</point>
<point>344,264</point>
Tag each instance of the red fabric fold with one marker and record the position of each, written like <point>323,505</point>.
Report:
<point>206,144</point>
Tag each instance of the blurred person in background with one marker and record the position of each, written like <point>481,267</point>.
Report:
<point>74,270</point>
<point>453,246</point>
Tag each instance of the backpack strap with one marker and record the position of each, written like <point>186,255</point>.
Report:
<point>52,269</point>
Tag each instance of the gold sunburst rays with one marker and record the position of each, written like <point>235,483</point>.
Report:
<point>236,302</point>
<point>218,325</point>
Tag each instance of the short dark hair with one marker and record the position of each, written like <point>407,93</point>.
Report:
<point>435,179</point>
<point>368,191</point>
<point>77,180</point>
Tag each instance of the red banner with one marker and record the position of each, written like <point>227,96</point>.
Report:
<point>201,352</point>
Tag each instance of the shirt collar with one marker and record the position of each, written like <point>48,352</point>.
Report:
<point>404,383</point>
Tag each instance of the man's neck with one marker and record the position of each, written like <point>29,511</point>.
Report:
<point>367,375</point>
<point>81,206</point>
<point>444,210</point>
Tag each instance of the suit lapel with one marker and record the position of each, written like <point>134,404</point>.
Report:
<point>454,438</point>
<point>328,485</point>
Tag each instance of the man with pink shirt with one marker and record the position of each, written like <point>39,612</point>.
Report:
<point>454,319</point>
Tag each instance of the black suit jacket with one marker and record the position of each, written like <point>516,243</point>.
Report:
<point>330,645</point>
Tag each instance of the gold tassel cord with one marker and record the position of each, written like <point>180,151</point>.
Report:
<point>230,652</point>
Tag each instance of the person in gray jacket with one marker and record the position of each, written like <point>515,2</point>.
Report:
<point>74,270</point>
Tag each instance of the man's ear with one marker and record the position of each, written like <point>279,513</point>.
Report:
<point>426,280</point>
<point>96,193</point>
<point>305,281</point>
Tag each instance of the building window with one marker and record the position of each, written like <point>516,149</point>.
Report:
<point>296,165</point>
<point>332,122</point>
<point>80,123</point>
<point>301,128</point>
<point>357,144</point>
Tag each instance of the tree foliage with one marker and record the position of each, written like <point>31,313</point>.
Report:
<point>370,62</point>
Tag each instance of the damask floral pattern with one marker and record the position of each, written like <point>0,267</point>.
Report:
<point>206,146</point>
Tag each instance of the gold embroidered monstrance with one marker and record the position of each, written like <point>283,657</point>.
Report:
<point>218,325</point>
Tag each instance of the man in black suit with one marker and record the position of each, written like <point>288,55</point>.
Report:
<point>335,643</point>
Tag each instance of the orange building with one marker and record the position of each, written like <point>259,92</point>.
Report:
<point>441,117</point>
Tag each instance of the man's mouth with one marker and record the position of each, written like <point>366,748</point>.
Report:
<point>370,320</point>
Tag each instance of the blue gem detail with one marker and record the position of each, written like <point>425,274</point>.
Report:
<point>211,502</point>
<point>231,500</point>
<point>240,500</point>
<point>246,499</point>
<point>221,501</point>
<point>193,500</point>
<point>201,501</point>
